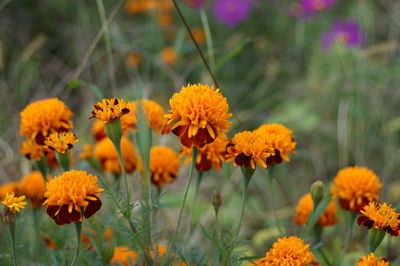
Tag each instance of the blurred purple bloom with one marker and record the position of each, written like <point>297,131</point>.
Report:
<point>231,12</point>
<point>345,32</point>
<point>307,8</point>
<point>196,4</point>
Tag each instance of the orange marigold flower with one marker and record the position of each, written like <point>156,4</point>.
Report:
<point>123,255</point>
<point>71,193</point>
<point>211,155</point>
<point>109,110</point>
<point>380,216</point>
<point>49,241</point>
<point>288,251</point>
<point>98,131</point>
<point>198,115</point>
<point>107,155</point>
<point>160,250</point>
<point>33,187</point>
<point>14,204</point>
<point>9,187</point>
<point>281,139</point>
<point>138,6</point>
<point>355,187</point>
<point>108,233</point>
<point>248,148</point>
<point>372,260</point>
<point>87,152</point>
<point>164,18</point>
<point>199,35</point>
<point>88,233</point>
<point>40,118</point>
<point>164,165</point>
<point>32,150</point>
<point>133,59</point>
<point>169,55</point>
<point>305,206</point>
<point>61,142</point>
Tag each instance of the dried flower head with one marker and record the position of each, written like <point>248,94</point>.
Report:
<point>98,131</point>
<point>32,150</point>
<point>248,148</point>
<point>211,155</point>
<point>109,110</point>
<point>372,260</point>
<point>107,155</point>
<point>14,204</point>
<point>70,194</point>
<point>198,115</point>
<point>380,216</point>
<point>123,256</point>
<point>61,142</point>
<point>305,206</point>
<point>9,187</point>
<point>40,118</point>
<point>288,251</point>
<point>355,187</point>
<point>281,140</point>
<point>164,165</point>
<point>33,187</point>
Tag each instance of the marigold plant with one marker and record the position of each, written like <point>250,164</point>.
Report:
<point>71,195</point>
<point>61,142</point>
<point>33,187</point>
<point>9,187</point>
<point>109,110</point>
<point>32,150</point>
<point>305,207</point>
<point>164,165</point>
<point>98,131</point>
<point>13,203</point>
<point>123,256</point>
<point>380,216</point>
<point>372,260</point>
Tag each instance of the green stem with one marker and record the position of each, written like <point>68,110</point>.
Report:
<point>78,229</point>
<point>63,159</point>
<point>196,191</point>
<point>192,166</point>
<point>122,164</point>
<point>246,182</point>
<point>11,232</point>
<point>323,256</point>
<point>36,230</point>
<point>210,48</point>
<point>271,197</point>
<point>349,231</point>
<point>42,167</point>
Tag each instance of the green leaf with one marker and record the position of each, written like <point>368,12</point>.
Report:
<point>316,213</point>
<point>77,83</point>
<point>234,52</point>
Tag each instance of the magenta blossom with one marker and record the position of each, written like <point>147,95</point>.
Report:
<point>232,12</point>
<point>196,4</point>
<point>345,32</point>
<point>308,8</point>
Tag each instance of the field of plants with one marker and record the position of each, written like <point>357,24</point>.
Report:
<point>200,132</point>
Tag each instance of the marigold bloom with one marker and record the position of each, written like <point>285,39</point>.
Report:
<point>40,118</point>
<point>13,203</point>
<point>248,148</point>
<point>123,255</point>
<point>61,142</point>
<point>288,251</point>
<point>32,150</point>
<point>33,187</point>
<point>107,155</point>
<point>380,216</point>
<point>168,55</point>
<point>372,260</point>
<point>164,18</point>
<point>87,152</point>
<point>281,140</point>
<point>160,250</point>
<point>49,241</point>
<point>355,187</point>
<point>70,194</point>
<point>138,6</point>
<point>133,59</point>
<point>109,110</point>
<point>305,206</point>
<point>9,187</point>
<point>199,35</point>
<point>198,115</point>
<point>164,165</point>
<point>98,131</point>
<point>211,155</point>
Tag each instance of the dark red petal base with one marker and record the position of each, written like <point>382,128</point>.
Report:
<point>200,139</point>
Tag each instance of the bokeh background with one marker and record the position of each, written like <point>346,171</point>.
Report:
<point>289,62</point>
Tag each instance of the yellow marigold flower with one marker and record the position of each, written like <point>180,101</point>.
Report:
<point>10,187</point>
<point>133,59</point>
<point>164,165</point>
<point>355,187</point>
<point>61,142</point>
<point>40,118</point>
<point>13,203</point>
<point>87,152</point>
<point>168,55</point>
<point>153,112</point>
<point>380,216</point>
<point>281,139</point>
<point>288,251</point>
<point>211,155</point>
<point>70,192</point>
<point>98,131</point>
<point>32,150</point>
<point>198,115</point>
<point>248,148</point>
<point>109,110</point>
<point>33,187</point>
<point>106,154</point>
<point>123,255</point>
<point>305,206</point>
<point>49,241</point>
<point>372,260</point>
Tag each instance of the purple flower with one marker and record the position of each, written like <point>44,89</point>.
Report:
<point>231,12</point>
<point>345,32</point>
<point>308,8</point>
<point>196,4</point>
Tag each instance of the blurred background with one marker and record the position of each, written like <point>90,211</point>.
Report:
<point>327,69</point>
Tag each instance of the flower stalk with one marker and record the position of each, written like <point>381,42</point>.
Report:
<point>63,159</point>
<point>42,167</point>
<point>11,233</point>
<point>78,230</point>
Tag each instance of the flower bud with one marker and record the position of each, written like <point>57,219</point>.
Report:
<point>317,192</point>
<point>216,200</point>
